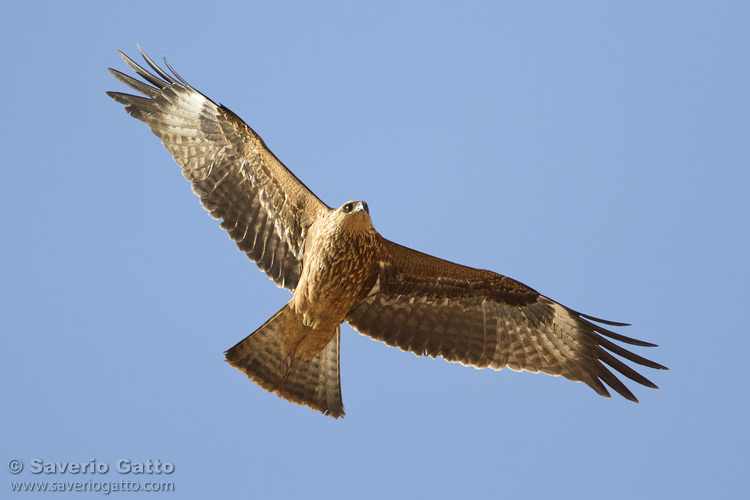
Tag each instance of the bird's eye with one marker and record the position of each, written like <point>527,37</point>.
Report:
<point>348,207</point>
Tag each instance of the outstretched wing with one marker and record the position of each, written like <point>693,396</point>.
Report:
<point>433,307</point>
<point>265,209</point>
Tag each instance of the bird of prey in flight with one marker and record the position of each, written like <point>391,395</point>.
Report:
<point>340,269</point>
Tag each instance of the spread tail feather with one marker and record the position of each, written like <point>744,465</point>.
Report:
<point>315,383</point>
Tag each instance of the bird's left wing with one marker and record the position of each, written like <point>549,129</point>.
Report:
<point>433,307</point>
<point>265,209</point>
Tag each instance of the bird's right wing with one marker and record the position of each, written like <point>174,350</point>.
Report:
<point>433,307</point>
<point>265,209</point>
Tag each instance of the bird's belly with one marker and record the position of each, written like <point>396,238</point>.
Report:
<point>321,302</point>
<point>328,289</point>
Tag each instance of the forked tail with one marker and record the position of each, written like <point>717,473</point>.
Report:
<point>314,383</point>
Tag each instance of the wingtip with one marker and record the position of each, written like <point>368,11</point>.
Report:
<point>143,53</point>
<point>114,72</point>
<point>118,96</point>
<point>603,321</point>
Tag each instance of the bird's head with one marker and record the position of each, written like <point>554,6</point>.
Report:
<point>353,207</point>
<point>354,214</point>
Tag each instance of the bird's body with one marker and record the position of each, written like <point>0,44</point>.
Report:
<point>340,255</point>
<point>340,269</point>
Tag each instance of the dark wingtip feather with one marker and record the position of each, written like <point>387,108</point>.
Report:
<point>177,74</point>
<point>604,321</point>
<point>622,338</point>
<point>603,375</point>
<point>615,383</point>
<point>621,351</point>
<point>603,331</point>
<point>134,84</point>
<point>597,385</point>
<point>119,97</point>
<point>626,370</point>
<point>143,73</point>
<point>166,76</point>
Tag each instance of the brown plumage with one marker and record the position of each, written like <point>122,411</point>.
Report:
<point>340,269</point>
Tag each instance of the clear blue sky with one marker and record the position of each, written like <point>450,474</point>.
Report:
<point>597,152</point>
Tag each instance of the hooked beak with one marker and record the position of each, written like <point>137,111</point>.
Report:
<point>361,205</point>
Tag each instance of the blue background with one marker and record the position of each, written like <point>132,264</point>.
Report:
<point>596,151</point>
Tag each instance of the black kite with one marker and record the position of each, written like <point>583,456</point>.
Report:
<point>340,269</point>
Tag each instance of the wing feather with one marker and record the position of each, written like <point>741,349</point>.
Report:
<point>433,307</point>
<point>265,209</point>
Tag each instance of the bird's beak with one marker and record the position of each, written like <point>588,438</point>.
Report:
<point>361,205</point>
